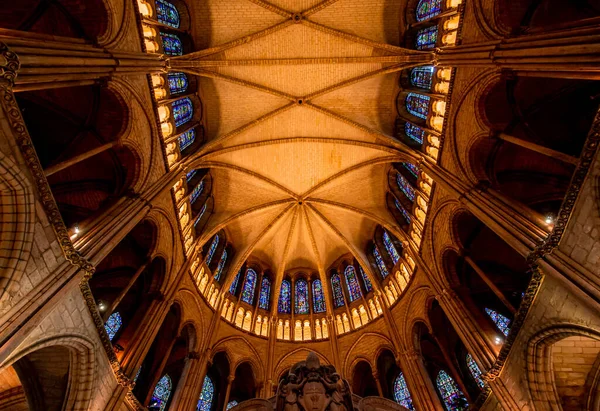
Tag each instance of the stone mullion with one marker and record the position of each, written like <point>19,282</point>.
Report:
<point>419,383</point>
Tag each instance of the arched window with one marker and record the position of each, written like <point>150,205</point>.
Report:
<point>380,264</point>
<point>232,404</point>
<point>190,175</point>
<point>206,396</point>
<point>235,282</point>
<point>186,139</point>
<point>501,321</point>
<point>418,105</point>
<point>426,38</point>
<point>249,286</point>
<point>427,9</point>
<point>183,111</point>
<point>301,297</point>
<point>475,371</point>
<point>178,82</point>
<point>338,295</point>
<point>401,393</point>
<point>161,393</point>
<point>284,306</point>
<point>200,215</point>
<point>166,13</point>
<point>318,297</point>
<point>197,191</point>
<point>413,132</point>
<point>212,249</point>
<point>453,399</point>
<point>172,44</point>
<point>353,285</point>
<point>368,285</point>
<point>222,263</point>
<point>422,77</point>
<point>113,325</point>
<point>391,249</point>
<point>402,210</point>
<point>405,187</point>
<point>265,294</point>
<point>413,169</point>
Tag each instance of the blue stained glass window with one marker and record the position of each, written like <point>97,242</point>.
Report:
<point>338,295</point>
<point>414,170</point>
<point>186,139</point>
<point>178,82</point>
<point>415,133</point>
<point>235,282</point>
<point>265,294</point>
<point>402,210</point>
<point>401,393</point>
<point>368,285</point>
<point>161,393</point>
<point>183,110</point>
<point>172,44</point>
<point>222,263</point>
<point>380,263</point>
<point>200,215</point>
<point>501,321</point>
<point>475,371</point>
<point>422,77</point>
<point>418,105</point>
<point>207,395</point>
<point>197,191</point>
<point>318,297</point>
<point>353,285</point>
<point>405,187</point>
<point>427,38</point>
<point>113,325</point>
<point>301,299</point>
<point>191,175</point>
<point>232,404</point>
<point>427,9</point>
<point>212,249</point>
<point>284,306</point>
<point>391,249</point>
<point>166,13</point>
<point>249,286</point>
<point>453,398</point>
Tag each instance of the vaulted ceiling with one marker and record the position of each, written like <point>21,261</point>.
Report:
<point>299,106</point>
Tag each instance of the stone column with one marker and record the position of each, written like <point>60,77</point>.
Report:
<point>419,384</point>
<point>184,388</point>
<point>230,380</point>
<point>379,389</point>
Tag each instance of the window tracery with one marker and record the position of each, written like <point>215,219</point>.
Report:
<point>183,111</point>
<point>186,139</point>
<point>366,281</point>
<point>380,263</point>
<point>249,286</point>
<point>265,294</point>
<point>336,286</point>
<point>415,133</point>
<point>422,77</point>
<point>402,210</point>
<point>401,393</point>
<point>161,393</point>
<point>197,191</point>
<point>418,105</point>
<point>222,263</point>
<point>284,305</point>
<point>167,13</point>
<point>301,297</point>
<point>453,398</point>
<point>352,283</point>
<point>318,297</point>
<point>178,82</point>
<point>172,44</point>
<point>113,325</point>
<point>474,370</point>
<point>212,249</point>
<point>427,9</point>
<point>426,38</point>
<point>405,187</point>
<point>501,321</point>
<point>391,249</point>
<point>206,396</point>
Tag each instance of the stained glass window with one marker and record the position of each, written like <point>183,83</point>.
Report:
<point>172,44</point>
<point>353,285</point>
<point>391,249</point>
<point>161,393</point>
<point>301,299</point>
<point>113,324</point>
<point>166,13</point>
<point>191,175</point>
<point>186,139</point>
<point>380,263</point>
<point>338,295</point>
<point>178,82</point>
<point>427,9</point>
<point>501,321</point>
<point>405,187</point>
<point>318,297</point>
<point>422,77</point>
<point>183,110</point>
<point>197,191</point>
<point>265,294</point>
<point>418,105</point>
<point>137,374</point>
<point>284,297</point>
<point>212,249</point>
<point>414,170</point>
<point>414,132</point>
<point>454,400</point>
<point>402,210</point>
<point>368,285</point>
<point>232,404</point>
<point>475,371</point>
<point>200,215</point>
<point>235,282</point>
<point>427,38</point>
<point>206,396</point>
<point>249,286</point>
<point>401,393</point>
<point>222,263</point>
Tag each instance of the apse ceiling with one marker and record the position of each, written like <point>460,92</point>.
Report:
<point>298,100</point>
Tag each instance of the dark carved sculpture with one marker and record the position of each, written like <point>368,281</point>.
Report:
<point>309,386</point>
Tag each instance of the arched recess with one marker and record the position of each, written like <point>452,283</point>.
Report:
<point>363,381</point>
<point>387,371</point>
<point>17,219</point>
<point>563,368</point>
<point>244,386</point>
<point>219,371</point>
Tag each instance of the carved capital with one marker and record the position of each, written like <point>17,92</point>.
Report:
<point>9,65</point>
